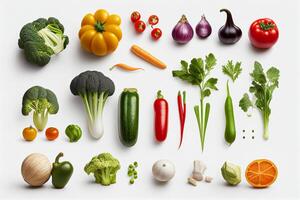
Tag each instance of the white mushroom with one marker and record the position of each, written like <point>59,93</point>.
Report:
<point>163,170</point>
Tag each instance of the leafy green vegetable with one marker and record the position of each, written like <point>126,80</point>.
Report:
<point>41,39</point>
<point>231,173</point>
<point>245,103</point>
<point>197,73</point>
<point>231,70</point>
<point>94,88</point>
<point>104,167</point>
<point>42,102</point>
<point>262,87</point>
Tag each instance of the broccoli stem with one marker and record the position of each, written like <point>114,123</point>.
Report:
<point>103,176</point>
<point>53,38</point>
<point>94,104</point>
<point>40,119</point>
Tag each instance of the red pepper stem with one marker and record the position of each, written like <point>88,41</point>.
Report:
<point>58,157</point>
<point>184,94</point>
<point>159,95</point>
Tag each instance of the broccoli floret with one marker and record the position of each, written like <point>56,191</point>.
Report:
<point>94,88</point>
<point>41,39</point>
<point>42,102</point>
<point>104,167</point>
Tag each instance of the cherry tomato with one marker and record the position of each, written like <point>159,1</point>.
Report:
<point>139,26</point>
<point>153,20</point>
<point>135,16</point>
<point>29,133</point>
<point>156,33</point>
<point>52,133</point>
<point>263,33</point>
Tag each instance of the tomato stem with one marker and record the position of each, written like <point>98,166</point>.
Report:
<point>266,26</point>
<point>99,27</point>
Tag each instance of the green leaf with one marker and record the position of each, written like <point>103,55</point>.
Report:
<point>196,69</point>
<point>232,70</point>
<point>206,93</point>
<point>245,103</point>
<point>258,74</point>
<point>210,62</point>
<point>211,83</point>
<point>273,75</point>
<point>186,77</point>
<point>184,66</point>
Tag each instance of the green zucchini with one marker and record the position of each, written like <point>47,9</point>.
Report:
<point>129,116</point>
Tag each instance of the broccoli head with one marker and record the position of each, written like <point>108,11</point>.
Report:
<point>41,39</point>
<point>104,167</point>
<point>94,88</point>
<point>42,102</point>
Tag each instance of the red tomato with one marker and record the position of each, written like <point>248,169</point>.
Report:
<point>263,33</point>
<point>156,33</point>
<point>52,133</point>
<point>153,20</point>
<point>135,16</point>
<point>139,26</point>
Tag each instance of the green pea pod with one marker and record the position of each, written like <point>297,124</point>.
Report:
<point>230,132</point>
<point>61,172</point>
<point>73,132</point>
<point>129,116</point>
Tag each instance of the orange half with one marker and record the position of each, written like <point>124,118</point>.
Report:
<point>261,173</point>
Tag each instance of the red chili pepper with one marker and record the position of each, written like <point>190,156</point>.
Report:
<point>161,110</point>
<point>182,113</point>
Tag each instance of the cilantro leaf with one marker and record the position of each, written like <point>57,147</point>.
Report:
<point>245,103</point>
<point>258,74</point>
<point>210,62</point>
<point>232,70</point>
<point>211,84</point>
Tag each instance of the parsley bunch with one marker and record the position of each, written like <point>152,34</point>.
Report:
<point>197,73</point>
<point>262,87</point>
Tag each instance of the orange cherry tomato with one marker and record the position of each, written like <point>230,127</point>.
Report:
<point>29,133</point>
<point>51,133</point>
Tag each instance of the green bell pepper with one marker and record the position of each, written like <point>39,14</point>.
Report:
<point>73,132</point>
<point>61,172</point>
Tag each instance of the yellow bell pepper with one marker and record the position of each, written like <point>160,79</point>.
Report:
<point>100,33</point>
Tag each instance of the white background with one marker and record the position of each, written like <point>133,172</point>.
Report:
<point>17,76</point>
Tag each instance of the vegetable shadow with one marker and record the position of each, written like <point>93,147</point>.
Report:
<point>158,183</point>
<point>29,187</point>
<point>257,50</point>
<point>88,57</point>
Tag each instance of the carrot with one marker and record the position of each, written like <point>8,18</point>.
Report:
<point>138,51</point>
<point>125,67</point>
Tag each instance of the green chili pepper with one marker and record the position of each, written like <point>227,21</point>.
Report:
<point>73,132</point>
<point>61,172</point>
<point>230,132</point>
